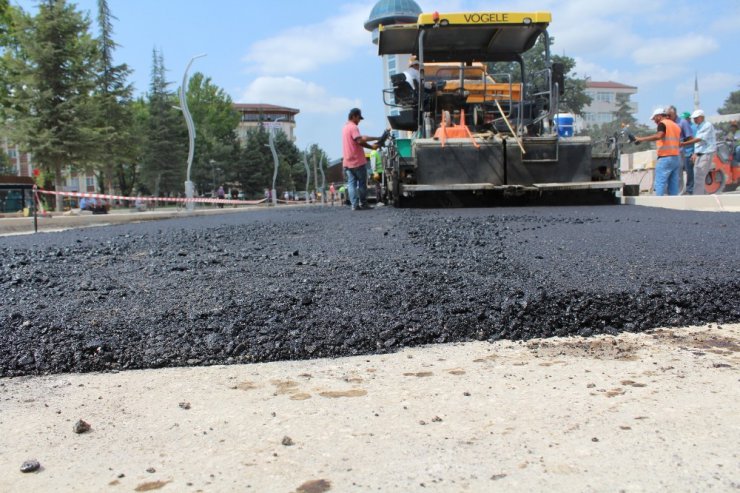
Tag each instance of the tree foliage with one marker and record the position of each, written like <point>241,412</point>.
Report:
<point>164,162</point>
<point>6,167</point>
<point>52,79</point>
<point>255,166</point>
<point>534,61</point>
<point>113,98</point>
<point>215,119</point>
<point>623,117</point>
<point>731,104</point>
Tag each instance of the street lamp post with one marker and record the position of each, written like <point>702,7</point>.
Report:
<point>189,188</point>
<point>323,181</point>
<point>308,172</point>
<point>271,137</point>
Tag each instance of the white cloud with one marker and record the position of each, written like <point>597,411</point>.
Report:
<point>595,72</point>
<point>309,97</point>
<point>675,50</point>
<point>306,48</point>
<point>659,75</point>
<point>709,82</point>
<point>727,23</point>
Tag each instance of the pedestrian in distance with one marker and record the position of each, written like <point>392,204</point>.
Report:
<point>705,145</point>
<point>354,161</point>
<point>221,196</point>
<point>332,193</point>
<point>667,139</point>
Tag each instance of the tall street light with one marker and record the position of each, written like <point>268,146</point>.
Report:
<point>189,188</point>
<point>271,136</point>
<point>308,171</point>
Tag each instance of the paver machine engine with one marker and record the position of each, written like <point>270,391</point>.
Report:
<point>475,135</point>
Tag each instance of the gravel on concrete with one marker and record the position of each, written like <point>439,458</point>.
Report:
<point>325,282</point>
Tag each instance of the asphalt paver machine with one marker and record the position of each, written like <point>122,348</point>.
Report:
<point>474,135</point>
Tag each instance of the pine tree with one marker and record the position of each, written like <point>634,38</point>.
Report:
<point>115,117</point>
<point>52,77</point>
<point>165,155</point>
<point>255,166</point>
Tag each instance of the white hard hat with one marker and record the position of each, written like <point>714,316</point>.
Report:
<point>657,111</point>
<point>697,114</point>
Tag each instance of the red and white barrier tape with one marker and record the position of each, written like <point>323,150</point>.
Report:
<point>151,199</point>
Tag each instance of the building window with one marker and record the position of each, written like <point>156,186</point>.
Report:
<point>90,182</point>
<point>12,153</point>
<point>605,97</point>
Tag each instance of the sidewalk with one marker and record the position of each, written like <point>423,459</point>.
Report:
<point>726,202</point>
<point>60,221</point>
<point>637,412</point>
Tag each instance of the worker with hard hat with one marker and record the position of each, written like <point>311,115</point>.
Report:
<point>667,140</point>
<point>705,145</point>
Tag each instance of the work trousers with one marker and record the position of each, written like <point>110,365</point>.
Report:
<point>666,175</point>
<point>688,167</point>
<point>702,167</point>
<point>357,185</point>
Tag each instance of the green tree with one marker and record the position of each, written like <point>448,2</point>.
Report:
<point>52,79</point>
<point>534,61</point>
<point>6,167</point>
<point>165,148</point>
<point>731,105</point>
<point>317,160</point>
<point>113,97</point>
<point>255,166</point>
<point>623,117</point>
<point>215,119</point>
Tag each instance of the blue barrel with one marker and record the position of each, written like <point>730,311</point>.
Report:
<point>564,122</point>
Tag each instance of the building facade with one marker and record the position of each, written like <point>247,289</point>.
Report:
<point>22,162</point>
<point>389,12</point>
<point>23,165</point>
<point>604,102</point>
<point>266,116</point>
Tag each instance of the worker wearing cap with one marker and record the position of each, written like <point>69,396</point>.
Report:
<point>354,160</point>
<point>413,76</point>
<point>705,146</point>
<point>667,139</point>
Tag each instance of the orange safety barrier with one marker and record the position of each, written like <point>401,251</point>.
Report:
<point>455,131</point>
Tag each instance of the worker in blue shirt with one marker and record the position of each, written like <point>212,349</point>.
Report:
<point>684,123</point>
<point>705,146</point>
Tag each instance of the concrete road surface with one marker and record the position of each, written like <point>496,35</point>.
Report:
<point>655,411</point>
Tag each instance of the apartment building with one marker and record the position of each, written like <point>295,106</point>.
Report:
<point>266,116</point>
<point>604,102</point>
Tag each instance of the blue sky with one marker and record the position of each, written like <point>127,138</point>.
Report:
<point>316,56</point>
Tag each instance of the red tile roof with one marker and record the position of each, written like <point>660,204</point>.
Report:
<point>607,85</point>
<point>267,108</point>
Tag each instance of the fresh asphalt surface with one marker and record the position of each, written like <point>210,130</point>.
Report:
<point>315,282</point>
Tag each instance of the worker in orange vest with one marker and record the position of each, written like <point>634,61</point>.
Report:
<point>667,139</point>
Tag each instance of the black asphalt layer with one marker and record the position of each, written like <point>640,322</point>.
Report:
<point>317,282</point>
